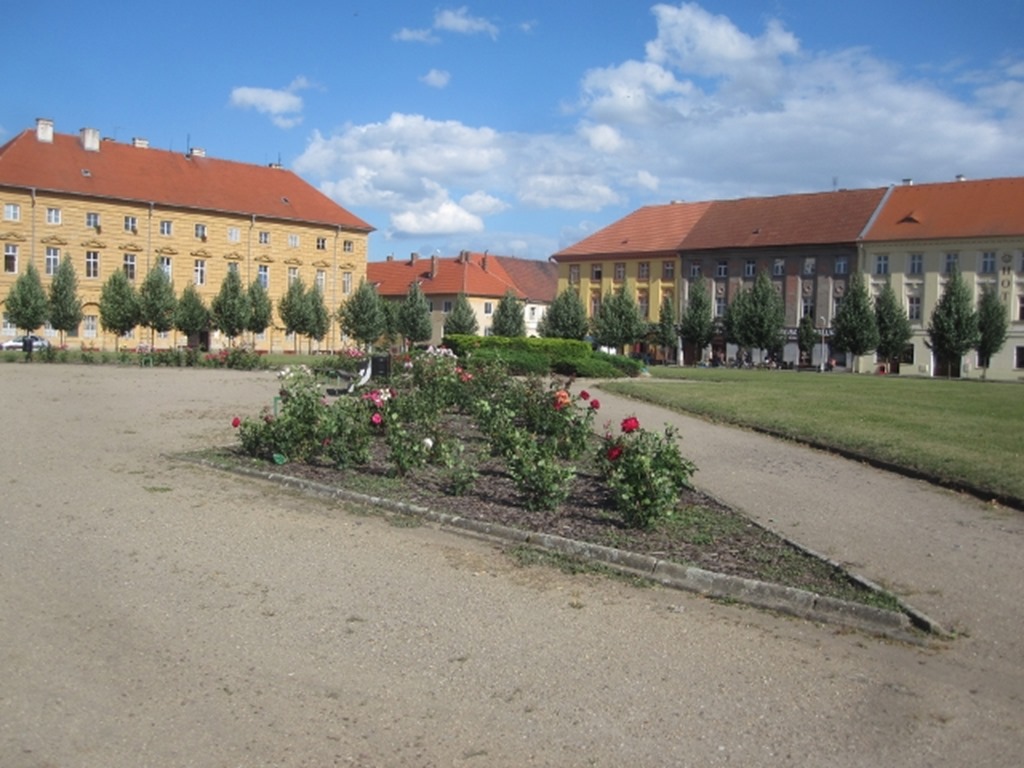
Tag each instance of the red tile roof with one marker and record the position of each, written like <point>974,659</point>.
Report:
<point>803,219</point>
<point>475,274</point>
<point>139,174</point>
<point>957,209</point>
<point>648,230</point>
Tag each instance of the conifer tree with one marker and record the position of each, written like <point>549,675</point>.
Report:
<point>65,305</point>
<point>362,316</point>
<point>26,304</point>
<point>618,321</point>
<point>462,318</point>
<point>191,316</point>
<point>993,328</point>
<point>261,309</point>
<point>854,328</point>
<point>157,303</point>
<point>230,309</point>
<point>412,318</point>
<point>508,317</point>
<point>666,331</point>
<point>953,329</point>
<point>119,305</point>
<point>319,321</point>
<point>565,318</point>
<point>697,326</point>
<point>894,329</point>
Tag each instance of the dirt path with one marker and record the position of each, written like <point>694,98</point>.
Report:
<point>156,614</point>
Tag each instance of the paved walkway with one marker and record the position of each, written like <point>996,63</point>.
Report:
<point>956,559</point>
<point>156,613</point>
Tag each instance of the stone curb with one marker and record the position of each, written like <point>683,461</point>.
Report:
<point>907,624</point>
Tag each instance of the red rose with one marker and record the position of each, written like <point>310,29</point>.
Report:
<point>584,395</point>
<point>236,422</point>
<point>630,424</point>
<point>595,404</point>
<point>614,452</point>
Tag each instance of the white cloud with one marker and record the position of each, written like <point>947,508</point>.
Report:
<point>456,21</point>
<point>283,106</point>
<point>437,78</point>
<point>706,110</point>
<point>460,21</point>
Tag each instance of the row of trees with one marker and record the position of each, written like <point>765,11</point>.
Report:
<point>756,320</point>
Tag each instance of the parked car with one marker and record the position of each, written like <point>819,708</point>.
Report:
<point>38,342</point>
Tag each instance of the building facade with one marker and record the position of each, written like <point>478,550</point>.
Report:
<point>910,236</point>
<point>125,206</point>
<point>482,278</point>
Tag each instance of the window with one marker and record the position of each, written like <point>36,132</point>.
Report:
<point>92,264</point>
<point>488,308</point>
<point>722,269</point>
<point>293,275</point>
<point>720,306</point>
<point>233,267</point>
<point>988,263</point>
<point>346,283</point>
<point>809,266</point>
<point>917,263</point>
<point>263,275</point>
<point>293,241</point>
<point>92,220</point>
<point>131,224</point>
<point>807,307</point>
<point>842,265</point>
<point>694,269</point>
<point>321,281</point>
<point>750,268</point>
<point>1018,357</point>
<point>347,246</point>
<point>234,235</point>
<point>52,260</point>
<point>200,231</point>
<point>12,212</point>
<point>264,237</point>
<point>89,325</point>
<point>199,271</point>
<point>321,243</point>
<point>779,267</point>
<point>1020,307</point>
<point>53,216</point>
<point>574,274</point>
<point>129,266</point>
<point>166,228</point>
<point>11,259</point>
<point>165,265</point>
<point>595,271</point>
<point>882,264</point>
<point>914,308</point>
<point>430,305</point>
<point>952,262</point>
<point>595,303</point>
<point>643,303</point>
<point>643,270</point>
<point>668,270</point>
<point>447,307</point>
<point>620,272</point>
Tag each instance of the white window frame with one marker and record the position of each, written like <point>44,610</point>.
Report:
<point>916,264</point>
<point>293,275</point>
<point>53,216</point>
<point>263,275</point>
<point>750,268</point>
<point>348,246</point>
<point>881,263</point>
<point>200,232</point>
<point>131,224</point>
<point>321,243</point>
<point>234,235</point>
<point>264,237</point>
<point>293,240</point>
<point>166,227</point>
<point>722,269</point>
<point>52,260</point>
<point>90,323</point>
<point>12,212</point>
<point>488,308</point>
<point>128,265</point>
<point>165,265</point>
<point>92,220</point>
<point>92,265</point>
<point>11,252</point>
<point>199,272</point>
<point>346,283</point>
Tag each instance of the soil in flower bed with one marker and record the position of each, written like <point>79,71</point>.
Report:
<point>702,532</point>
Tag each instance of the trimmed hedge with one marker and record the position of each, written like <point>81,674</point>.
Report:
<point>525,356</point>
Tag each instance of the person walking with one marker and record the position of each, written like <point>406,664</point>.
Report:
<point>26,347</point>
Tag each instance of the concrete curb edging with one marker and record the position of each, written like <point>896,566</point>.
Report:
<point>905,625</point>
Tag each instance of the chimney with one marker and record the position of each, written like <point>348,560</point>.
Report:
<point>961,177</point>
<point>90,139</point>
<point>140,143</point>
<point>433,265</point>
<point>908,182</point>
<point>391,257</point>
<point>197,152</point>
<point>44,130</point>
<point>413,257</point>
<point>483,262</point>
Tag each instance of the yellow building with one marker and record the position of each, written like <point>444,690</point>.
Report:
<point>639,252</point>
<point>126,206</point>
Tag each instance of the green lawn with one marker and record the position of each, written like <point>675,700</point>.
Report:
<point>969,432</point>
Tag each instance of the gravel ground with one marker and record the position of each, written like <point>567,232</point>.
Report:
<point>153,613</point>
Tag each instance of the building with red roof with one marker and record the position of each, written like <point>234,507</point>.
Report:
<point>483,278</point>
<point>126,206</point>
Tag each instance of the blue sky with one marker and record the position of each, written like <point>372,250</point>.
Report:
<point>520,128</point>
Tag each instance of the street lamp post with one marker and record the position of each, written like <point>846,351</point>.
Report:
<point>821,362</point>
